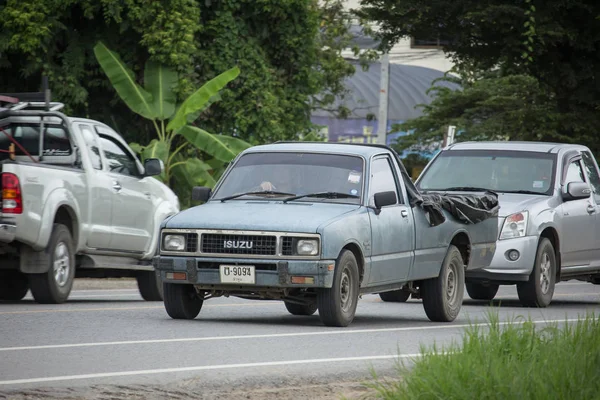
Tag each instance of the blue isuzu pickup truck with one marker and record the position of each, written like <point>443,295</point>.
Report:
<point>317,225</point>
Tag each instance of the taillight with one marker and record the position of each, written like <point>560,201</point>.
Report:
<point>12,200</point>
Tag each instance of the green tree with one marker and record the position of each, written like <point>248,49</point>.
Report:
<point>553,42</point>
<point>288,51</point>
<point>175,133</point>
<point>487,106</point>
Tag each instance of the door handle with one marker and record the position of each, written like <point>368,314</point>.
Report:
<point>148,195</point>
<point>591,209</point>
<point>404,213</point>
<point>116,186</point>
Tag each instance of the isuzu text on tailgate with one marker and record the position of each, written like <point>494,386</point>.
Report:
<point>316,225</point>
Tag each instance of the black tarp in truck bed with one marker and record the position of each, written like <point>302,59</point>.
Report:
<point>466,208</point>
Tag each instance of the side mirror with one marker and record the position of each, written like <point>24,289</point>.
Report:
<point>577,191</point>
<point>383,199</point>
<point>153,166</point>
<point>201,193</point>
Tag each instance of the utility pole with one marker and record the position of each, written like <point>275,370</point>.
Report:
<point>384,85</point>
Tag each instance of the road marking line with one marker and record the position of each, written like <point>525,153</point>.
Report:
<point>270,335</point>
<point>126,308</point>
<point>92,296</point>
<point>577,294</point>
<point>204,368</point>
<point>104,290</point>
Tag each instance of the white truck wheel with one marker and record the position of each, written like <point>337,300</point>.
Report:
<point>54,286</point>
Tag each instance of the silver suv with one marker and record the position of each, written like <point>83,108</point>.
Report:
<point>549,223</point>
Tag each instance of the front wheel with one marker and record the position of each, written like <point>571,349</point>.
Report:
<point>337,305</point>
<point>443,296</point>
<point>182,301</point>
<point>150,285</point>
<point>54,286</point>
<point>397,296</point>
<point>301,309</point>
<point>480,291</point>
<point>13,285</point>
<point>539,289</point>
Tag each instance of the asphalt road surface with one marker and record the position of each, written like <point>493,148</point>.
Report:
<point>109,343</point>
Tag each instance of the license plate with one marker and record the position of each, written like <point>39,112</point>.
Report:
<point>238,274</point>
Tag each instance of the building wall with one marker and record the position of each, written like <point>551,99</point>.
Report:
<point>403,53</point>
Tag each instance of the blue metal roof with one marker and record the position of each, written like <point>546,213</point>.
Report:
<point>407,88</point>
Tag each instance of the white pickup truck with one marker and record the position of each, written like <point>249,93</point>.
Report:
<point>76,202</point>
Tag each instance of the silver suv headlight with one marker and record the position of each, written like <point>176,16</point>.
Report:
<point>515,226</point>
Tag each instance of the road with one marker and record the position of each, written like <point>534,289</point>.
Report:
<point>110,343</point>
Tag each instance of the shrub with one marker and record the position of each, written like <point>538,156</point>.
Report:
<point>518,360</point>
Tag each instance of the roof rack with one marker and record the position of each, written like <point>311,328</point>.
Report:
<point>34,105</point>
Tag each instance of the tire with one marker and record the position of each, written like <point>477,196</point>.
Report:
<point>539,289</point>
<point>337,305</point>
<point>150,285</point>
<point>397,296</point>
<point>443,296</point>
<point>54,286</point>
<point>182,301</point>
<point>301,309</point>
<point>479,291</point>
<point>14,285</point>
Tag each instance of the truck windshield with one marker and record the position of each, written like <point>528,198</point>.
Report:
<point>295,173</point>
<point>497,170</point>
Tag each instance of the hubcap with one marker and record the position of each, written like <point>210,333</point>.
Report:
<point>545,271</point>
<point>451,284</point>
<point>345,290</point>
<point>61,264</point>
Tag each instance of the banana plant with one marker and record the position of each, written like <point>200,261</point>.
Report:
<point>175,134</point>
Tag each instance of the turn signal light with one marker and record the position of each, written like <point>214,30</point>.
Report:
<point>176,276</point>
<point>303,279</point>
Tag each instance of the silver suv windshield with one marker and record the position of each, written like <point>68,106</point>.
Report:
<point>496,170</point>
<point>294,173</point>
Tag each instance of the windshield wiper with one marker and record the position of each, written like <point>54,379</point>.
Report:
<point>259,193</point>
<point>327,195</point>
<point>523,192</point>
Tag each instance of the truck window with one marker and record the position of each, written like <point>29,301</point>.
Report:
<point>382,178</point>
<point>296,172</point>
<point>592,173</point>
<point>119,161</point>
<point>498,170</point>
<point>574,173</point>
<point>56,140</point>
<point>92,144</point>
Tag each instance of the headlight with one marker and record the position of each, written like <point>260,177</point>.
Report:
<point>515,226</point>
<point>174,242</point>
<point>307,247</point>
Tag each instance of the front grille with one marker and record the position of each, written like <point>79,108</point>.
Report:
<point>287,246</point>
<point>239,244</point>
<point>259,267</point>
<point>191,242</point>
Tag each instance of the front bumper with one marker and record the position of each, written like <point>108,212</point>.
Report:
<point>7,232</point>
<point>504,270</point>
<point>270,274</point>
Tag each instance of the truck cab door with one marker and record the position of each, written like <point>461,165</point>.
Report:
<point>100,199</point>
<point>593,176</point>
<point>392,229</point>
<point>133,207</point>
<point>580,218</point>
